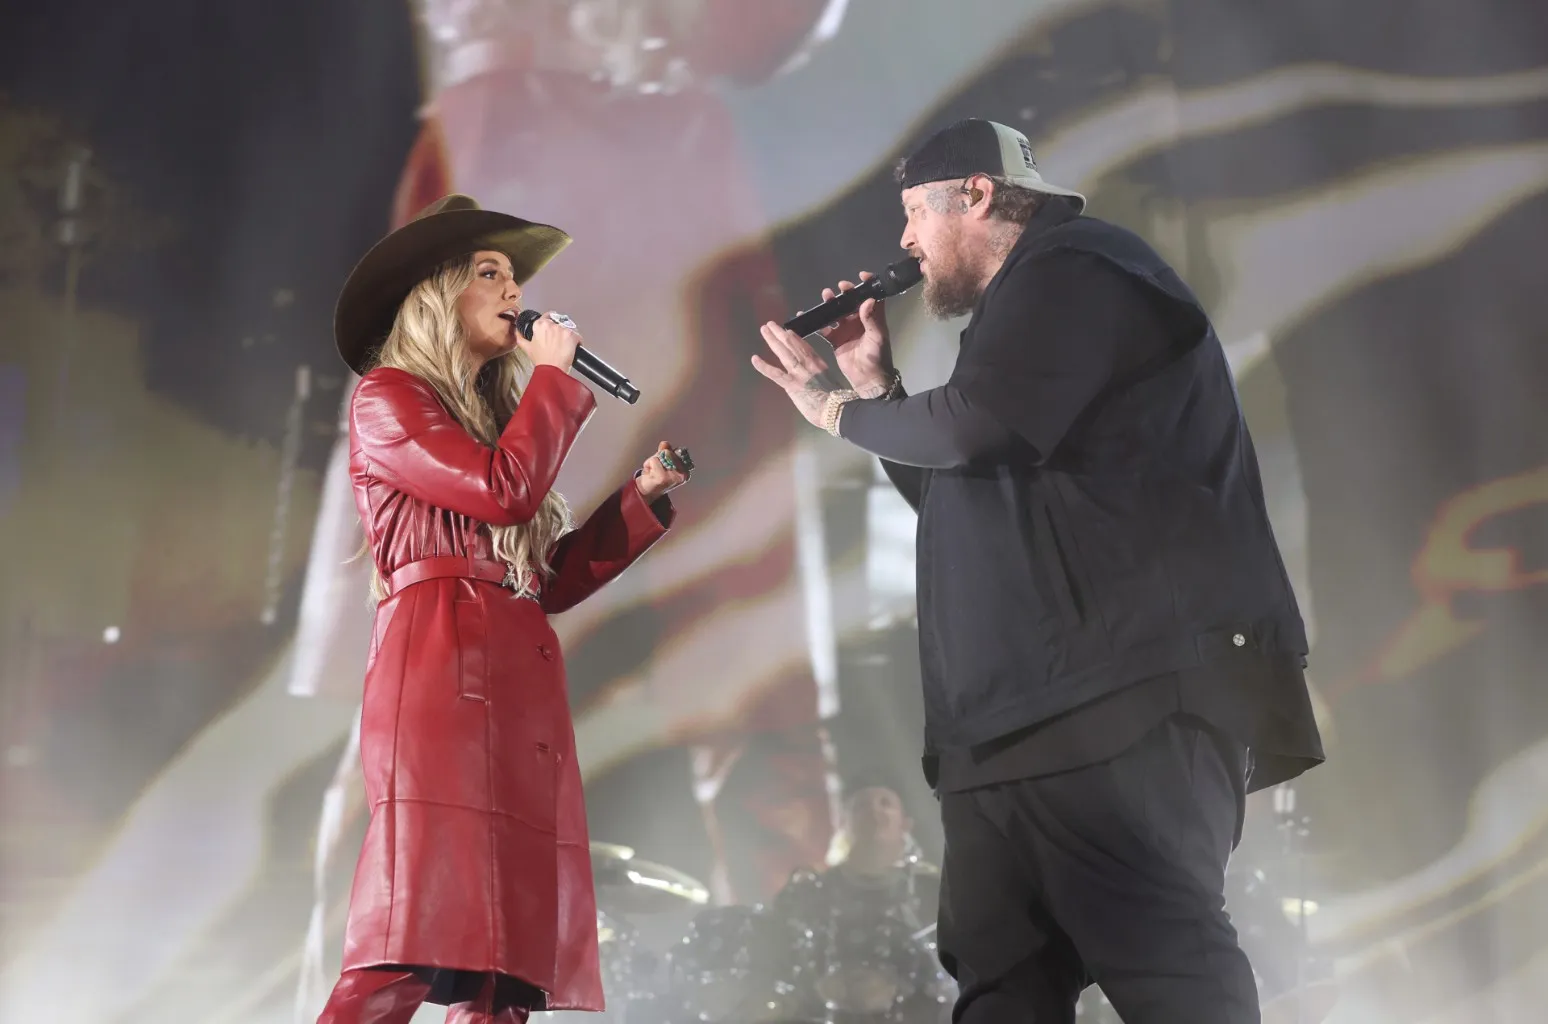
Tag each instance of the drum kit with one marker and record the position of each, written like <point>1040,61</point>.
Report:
<point>834,949</point>
<point>824,951</point>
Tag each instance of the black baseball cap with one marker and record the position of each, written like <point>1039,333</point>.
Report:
<point>976,146</point>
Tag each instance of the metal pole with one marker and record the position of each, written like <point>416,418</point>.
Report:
<point>1294,830</point>
<point>70,236</point>
<point>290,454</point>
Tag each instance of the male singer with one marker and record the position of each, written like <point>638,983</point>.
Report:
<point>1112,655</point>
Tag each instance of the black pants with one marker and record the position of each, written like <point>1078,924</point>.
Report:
<point>1112,873</point>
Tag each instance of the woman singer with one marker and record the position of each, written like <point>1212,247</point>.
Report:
<point>474,884</point>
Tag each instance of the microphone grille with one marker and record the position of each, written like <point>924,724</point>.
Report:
<point>524,321</point>
<point>902,276</point>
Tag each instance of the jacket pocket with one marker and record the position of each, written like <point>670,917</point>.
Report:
<point>538,800</point>
<point>472,645</point>
<point>1053,559</point>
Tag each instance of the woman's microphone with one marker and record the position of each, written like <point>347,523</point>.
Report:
<point>590,367</point>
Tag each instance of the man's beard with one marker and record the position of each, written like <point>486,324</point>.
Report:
<point>949,297</point>
<point>949,291</point>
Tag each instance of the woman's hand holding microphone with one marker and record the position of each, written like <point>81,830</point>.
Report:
<point>552,344</point>
<point>554,341</point>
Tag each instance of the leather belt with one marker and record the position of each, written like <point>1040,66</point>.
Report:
<point>447,566</point>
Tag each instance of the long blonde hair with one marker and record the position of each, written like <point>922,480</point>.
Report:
<point>428,340</point>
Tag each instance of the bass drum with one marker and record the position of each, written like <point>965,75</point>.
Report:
<point>864,957</point>
<point>734,965</point>
<point>874,966</point>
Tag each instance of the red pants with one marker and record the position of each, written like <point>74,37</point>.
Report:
<point>393,995</point>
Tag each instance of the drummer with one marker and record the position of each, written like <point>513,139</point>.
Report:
<point>874,860</point>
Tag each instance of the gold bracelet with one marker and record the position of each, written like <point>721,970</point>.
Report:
<point>834,406</point>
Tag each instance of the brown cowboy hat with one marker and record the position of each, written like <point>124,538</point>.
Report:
<point>447,228</point>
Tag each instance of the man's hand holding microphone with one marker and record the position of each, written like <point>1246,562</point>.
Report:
<point>860,342</point>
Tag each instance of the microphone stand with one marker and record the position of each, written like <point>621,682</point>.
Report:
<point>1293,830</point>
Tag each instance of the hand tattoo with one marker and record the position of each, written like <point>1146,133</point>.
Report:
<point>813,396</point>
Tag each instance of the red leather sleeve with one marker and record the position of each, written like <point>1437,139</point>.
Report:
<point>410,442</point>
<point>621,530</point>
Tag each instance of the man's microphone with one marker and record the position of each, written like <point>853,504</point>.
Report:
<point>592,368</point>
<point>898,278</point>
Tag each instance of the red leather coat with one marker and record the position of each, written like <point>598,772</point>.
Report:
<point>477,854</point>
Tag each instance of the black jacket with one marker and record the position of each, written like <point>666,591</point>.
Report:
<point>1127,536</point>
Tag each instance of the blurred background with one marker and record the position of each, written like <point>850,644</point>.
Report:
<point>1357,193</point>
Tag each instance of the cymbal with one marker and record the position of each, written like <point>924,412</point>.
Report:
<point>627,885</point>
<point>610,851</point>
